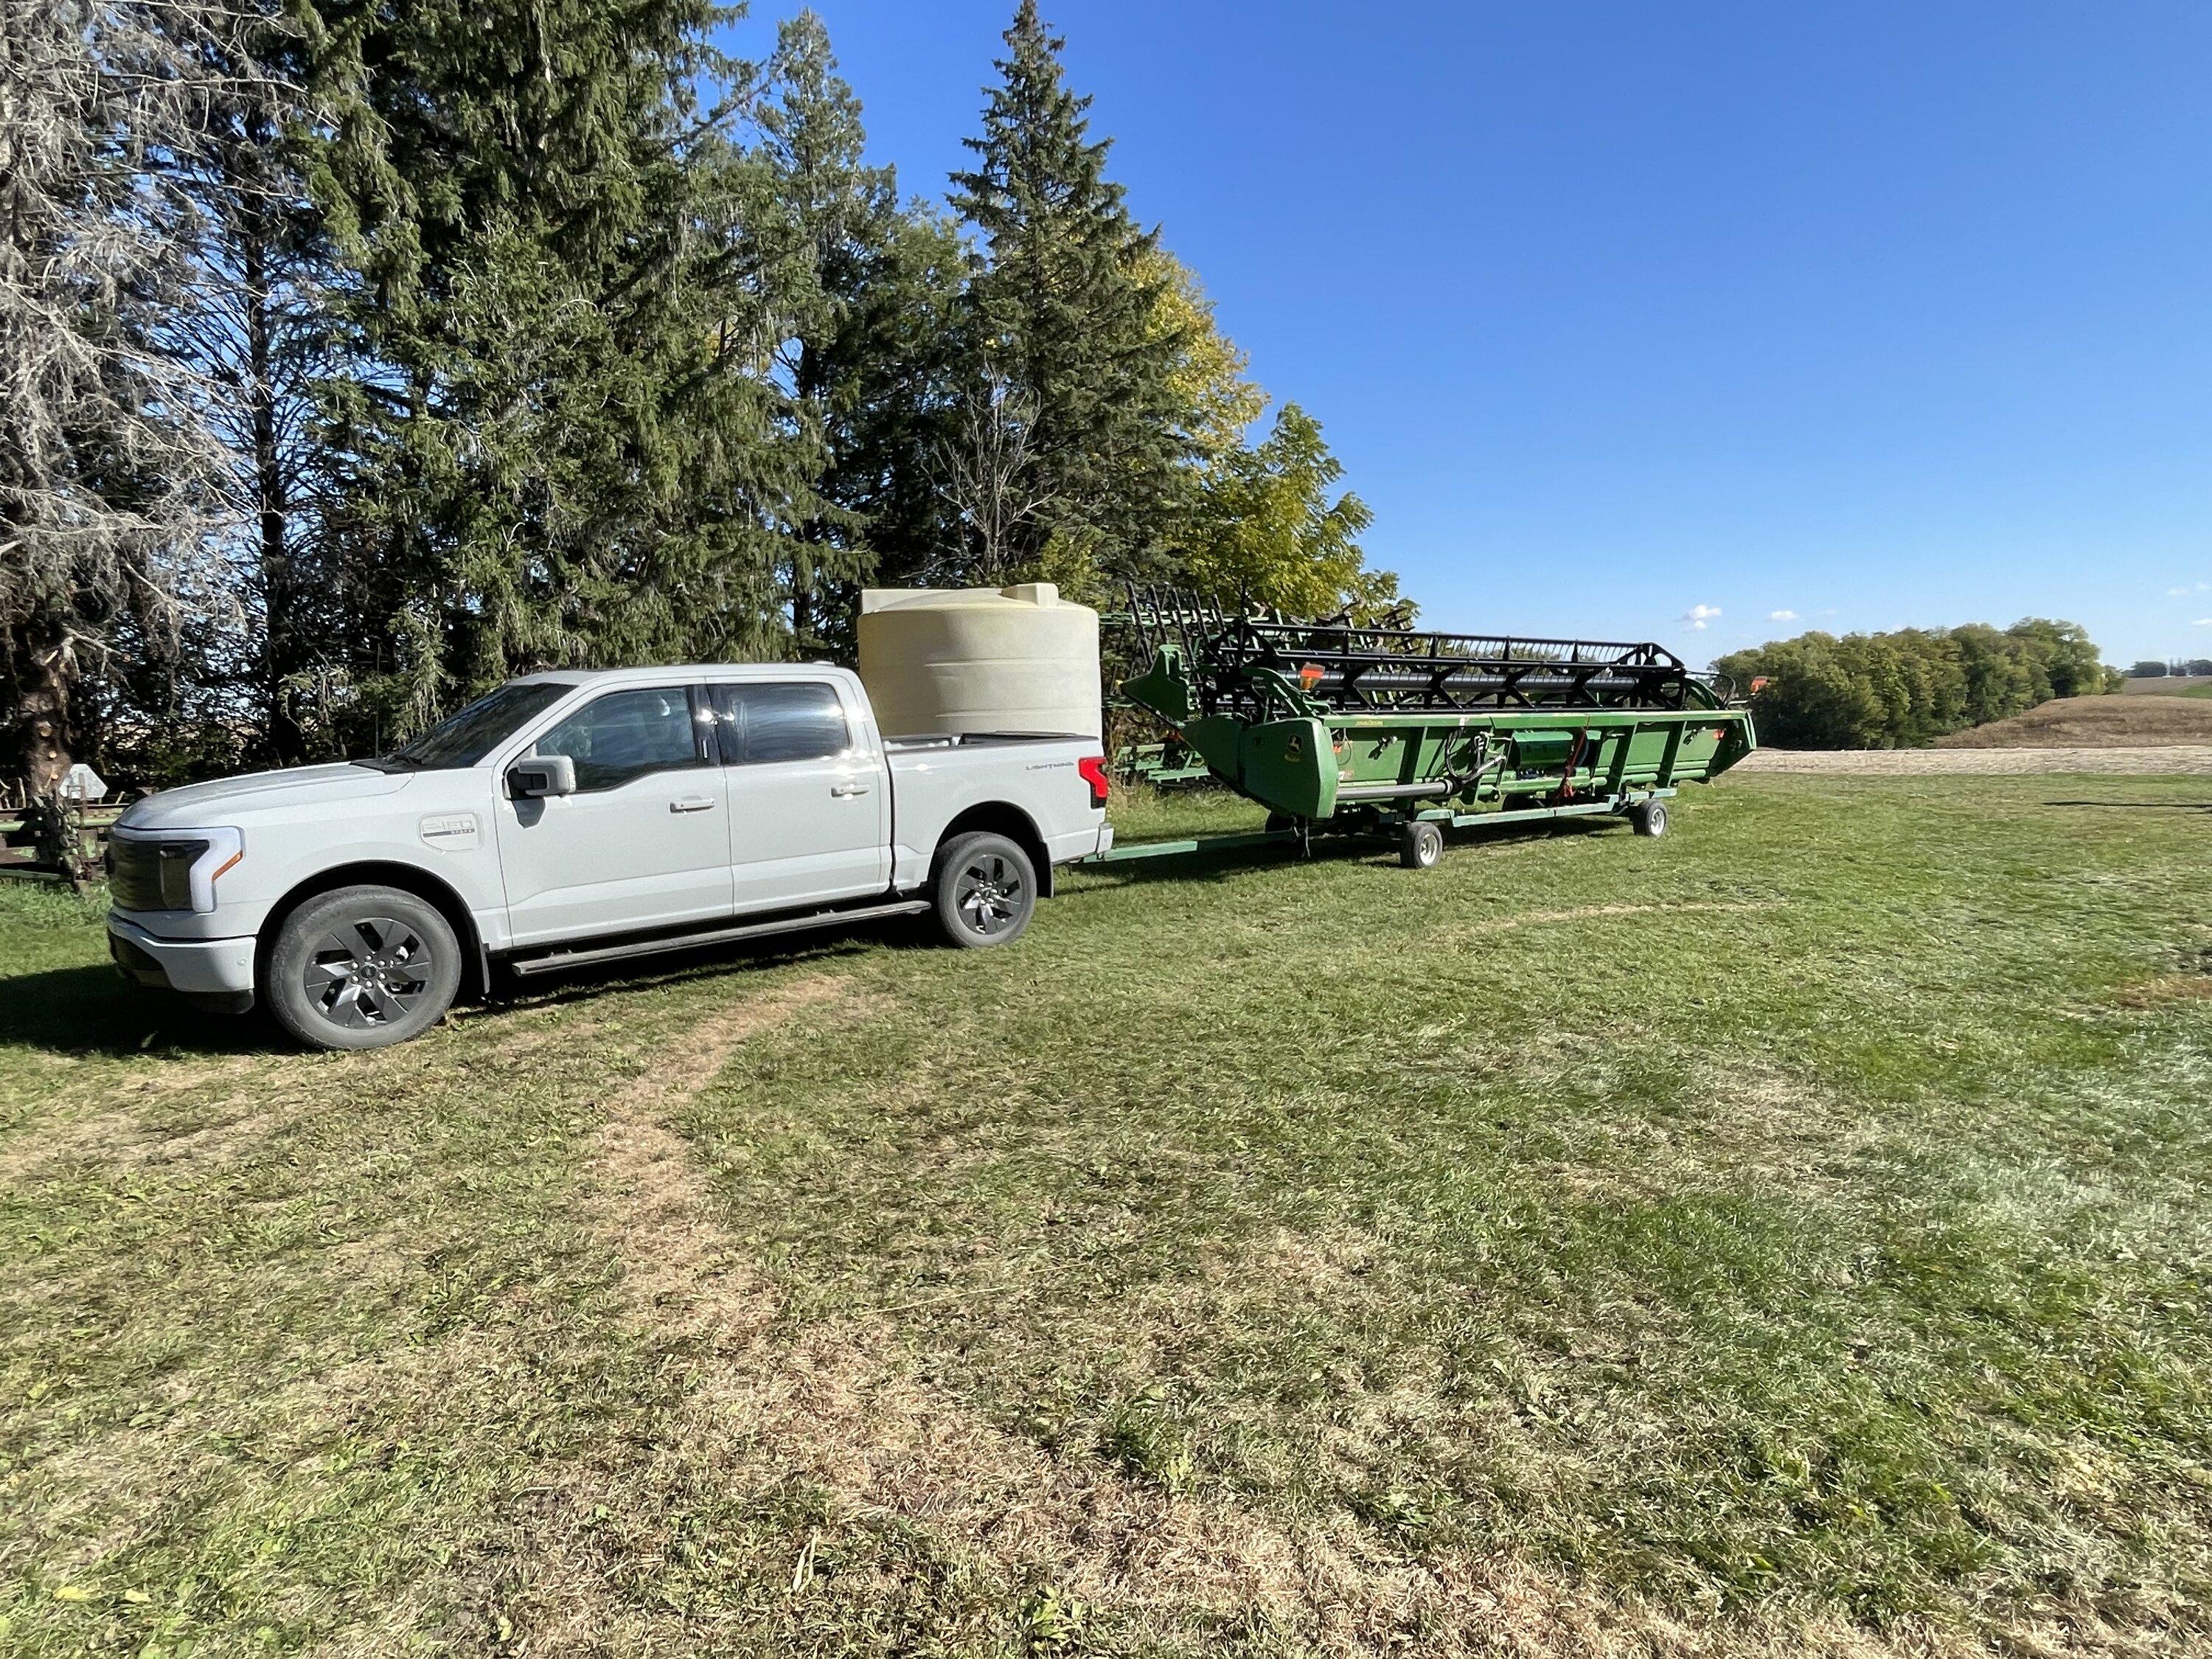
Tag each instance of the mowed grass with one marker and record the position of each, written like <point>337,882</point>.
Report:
<point>1790,1234</point>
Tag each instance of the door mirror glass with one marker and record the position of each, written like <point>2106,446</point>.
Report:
<point>539,776</point>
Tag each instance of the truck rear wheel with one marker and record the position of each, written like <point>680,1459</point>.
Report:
<point>984,891</point>
<point>362,968</point>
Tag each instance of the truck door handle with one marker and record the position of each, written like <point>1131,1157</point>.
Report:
<point>848,788</point>
<point>692,804</point>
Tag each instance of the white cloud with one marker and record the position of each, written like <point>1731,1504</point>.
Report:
<point>1698,616</point>
<point>1782,616</point>
<point>2201,622</point>
<point>2184,592</point>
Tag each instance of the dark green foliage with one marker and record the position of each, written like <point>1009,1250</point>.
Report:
<point>1058,311</point>
<point>544,334</point>
<point>1896,690</point>
<point>870,353</point>
<point>570,446</point>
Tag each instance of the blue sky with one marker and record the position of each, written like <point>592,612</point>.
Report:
<point>1876,314</point>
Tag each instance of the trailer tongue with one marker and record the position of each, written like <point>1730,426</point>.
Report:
<point>1338,726</point>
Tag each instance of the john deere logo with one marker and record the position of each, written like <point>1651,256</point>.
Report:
<point>1296,750</point>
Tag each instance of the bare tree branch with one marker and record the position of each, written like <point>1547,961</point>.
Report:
<point>987,473</point>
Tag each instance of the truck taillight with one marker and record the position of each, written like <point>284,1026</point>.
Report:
<point>1093,768</point>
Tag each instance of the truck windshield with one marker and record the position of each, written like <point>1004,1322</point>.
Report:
<point>464,739</point>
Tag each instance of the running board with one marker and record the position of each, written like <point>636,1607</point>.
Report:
<point>553,962</point>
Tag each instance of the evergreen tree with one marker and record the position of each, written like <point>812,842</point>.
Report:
<point>254,325</point>
<point>870,354</point>
<point>1063,315</point>
<point>570,446</point>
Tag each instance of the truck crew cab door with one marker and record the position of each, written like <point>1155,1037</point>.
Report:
<point>643,842</point>
<point>810,801</point>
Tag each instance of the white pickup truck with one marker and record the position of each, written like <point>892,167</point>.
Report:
<point>570,819</point>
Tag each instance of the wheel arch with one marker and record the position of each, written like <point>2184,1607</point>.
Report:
<point>999,818</point>
<point>432,889</point>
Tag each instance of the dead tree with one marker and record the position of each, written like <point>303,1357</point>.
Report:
<point>111,498</point>
<point>987,474</point>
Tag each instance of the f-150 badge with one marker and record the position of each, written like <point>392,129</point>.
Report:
<point>452,832</point>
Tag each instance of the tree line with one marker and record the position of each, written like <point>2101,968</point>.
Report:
<point>358,357</point>
<point>1897,691</point>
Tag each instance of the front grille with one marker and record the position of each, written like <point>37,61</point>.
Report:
<point>134,872</point>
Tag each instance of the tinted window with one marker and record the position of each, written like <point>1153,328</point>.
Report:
<point>627,735</point>
<point>803,721</point>
<point>464,739</point>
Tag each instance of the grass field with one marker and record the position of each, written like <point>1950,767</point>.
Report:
<point>1790,1234</point>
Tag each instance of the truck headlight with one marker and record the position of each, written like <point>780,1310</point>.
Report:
<point>190,866</point>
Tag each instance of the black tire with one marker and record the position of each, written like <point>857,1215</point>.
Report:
<point>984,891</point>
<point>1649,817</point>
<point>362,968</point>
<point>1421,844</point>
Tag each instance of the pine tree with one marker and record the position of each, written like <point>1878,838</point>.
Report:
<point>870,353</point>
<point>252,324</point>
<point>570,446</point>
<point>1062,314</point>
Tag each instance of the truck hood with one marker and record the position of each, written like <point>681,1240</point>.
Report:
<point>201,805</point>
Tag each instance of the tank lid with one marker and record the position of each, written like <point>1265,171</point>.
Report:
<point>922,598</point>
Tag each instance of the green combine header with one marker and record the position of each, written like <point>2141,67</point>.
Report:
<point>1336,727</point>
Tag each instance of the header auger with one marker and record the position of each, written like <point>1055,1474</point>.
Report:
<point>1338,725</point>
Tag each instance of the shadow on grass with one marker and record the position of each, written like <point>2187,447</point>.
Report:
<point>92,1010</point>
<point>1206,864</point>
<point>700,963</point>
<point>2140,805</point>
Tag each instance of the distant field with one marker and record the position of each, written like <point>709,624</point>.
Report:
<point>2116,721</point>
<point>2183,759</point>
<point>1789,1236</point>
<point>2197,686</point>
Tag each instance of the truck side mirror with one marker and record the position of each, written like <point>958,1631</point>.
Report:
<point>539,776</point>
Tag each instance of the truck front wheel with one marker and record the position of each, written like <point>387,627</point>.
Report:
<point>984,891</point>
<point>362,968</point>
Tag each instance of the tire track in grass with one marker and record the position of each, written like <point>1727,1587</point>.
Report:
<point>835,1405</point>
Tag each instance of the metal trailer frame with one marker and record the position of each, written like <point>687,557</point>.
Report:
<point>1339,728</point>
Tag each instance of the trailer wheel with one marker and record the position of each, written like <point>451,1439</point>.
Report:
<point>1649,817</point>
<point>985,891</point>
<point>1421,844</point>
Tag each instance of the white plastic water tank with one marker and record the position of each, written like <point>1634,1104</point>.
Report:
<point>980,659</point>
